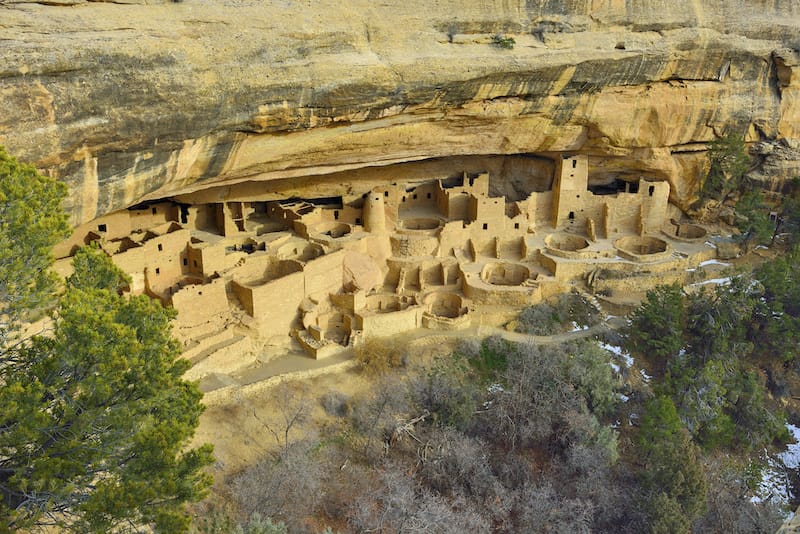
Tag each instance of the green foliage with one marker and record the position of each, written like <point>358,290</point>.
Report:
<point>31,223</point>
<point>491,358</point>
<point>657,326</point>
<point>752,219</point>
<point>92,270</point>
<point>448,392</point>
<point>775,329</point>
<point>503,41</point>
<point>728,163</point>
<point>94,418</point>
<point>673,476</point>
<point>588,371</point>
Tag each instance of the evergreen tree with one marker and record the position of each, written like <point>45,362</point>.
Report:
<point>728,163</point>
<point>94,417</point>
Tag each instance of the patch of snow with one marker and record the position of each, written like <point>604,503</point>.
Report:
<point>577,328</point>
<point>645,376</point>
<point>761,247</point>
<point>616,424</point>
<point>726,280</point>
<point>690,270</point>
<point>714,262</point>
<point>614,366</point>
<point>613,349</point>
<point>791,458</point>
<point>629,361</point>
<point>623,398</point>
<point>495,388</point>
<point>710,244</point>
<point>774,485</point>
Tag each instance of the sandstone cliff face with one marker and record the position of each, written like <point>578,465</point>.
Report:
<point>129,102</point>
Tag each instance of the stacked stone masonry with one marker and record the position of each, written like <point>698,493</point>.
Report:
<point>328,273</point>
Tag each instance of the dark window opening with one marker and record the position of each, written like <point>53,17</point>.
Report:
<point>199,292</point>
<point>184,214</point>
<point>336,215</point>
<point>186,261</point>
<point>358,221</point>
<point>485,226</point>
<point>415,196</point>
<point>574,163</point>
<point>158,271</point>
<point>102,228</point>
<point>516,226</point>
<point>404,199</point>
<point>155,211</point>
<point>160,247</point>
<point>194,262</point>
<point>429,195</point>
<point>386,193</point>
<point>651,190</point>
<point>572,216</point>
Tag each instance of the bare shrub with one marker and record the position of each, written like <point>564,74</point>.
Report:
<point>378,356</point>
<point>335,403</point>
<point>398,504</point>
<point>457,465</point>
<point>375,416</point>
<point>287,488</point>
<point>541,509</point>
<point>534,398</point>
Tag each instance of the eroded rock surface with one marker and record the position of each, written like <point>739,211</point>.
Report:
<point>134,101</point>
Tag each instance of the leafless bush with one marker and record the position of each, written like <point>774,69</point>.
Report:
<point>287,489</point>
<point>457,465</point>
<point>542,509</point>
<point>375,416</point>
<point>398,504</point>
<point>335,403</point>
<point>379,356</point>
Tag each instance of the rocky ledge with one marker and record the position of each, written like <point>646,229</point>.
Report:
<point>136,100</point>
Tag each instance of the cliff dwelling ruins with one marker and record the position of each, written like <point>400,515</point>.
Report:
<point>443,253</point>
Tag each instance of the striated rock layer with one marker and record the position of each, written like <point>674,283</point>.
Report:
<point>128,102</point>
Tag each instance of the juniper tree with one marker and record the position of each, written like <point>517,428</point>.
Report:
<point>94,416</point>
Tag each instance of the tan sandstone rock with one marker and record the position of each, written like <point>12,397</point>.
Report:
<point>131,102</point>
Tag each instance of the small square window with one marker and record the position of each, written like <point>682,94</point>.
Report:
<point>485,226</point>
<point>386,193</point>
<point>429,195</point>
<point>186,261</point>
<point>516,226</point>
<point>358,221</point>
<point>158,271</point>
<point>199,292</point>
<point>415,196</point>
<point>155,211</point>
<point>160,247</point>
<point>102,228</point>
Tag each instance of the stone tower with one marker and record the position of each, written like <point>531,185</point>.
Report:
<point>374,213</point>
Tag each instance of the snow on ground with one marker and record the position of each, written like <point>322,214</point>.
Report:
<point>617,351</point>
<point>774,485</point>
<point>614,366</point>
<point>726,280</point>
<point>577,328</point>
<point>623,398</point>
<point>714,262</point>
<point>645,376</point>
<point>710,244</point>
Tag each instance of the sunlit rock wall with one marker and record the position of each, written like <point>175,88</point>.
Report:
<point>129,102</point>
